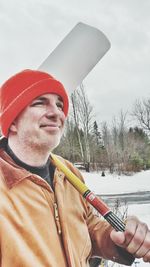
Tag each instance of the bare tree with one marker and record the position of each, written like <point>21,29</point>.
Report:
<point>74,100</point>
<point>141,112</point>
<point>68,147</point>
<point>108,144</point>
<point>82,111</point>
<point>122,129</point>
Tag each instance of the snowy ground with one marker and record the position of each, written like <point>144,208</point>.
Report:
<point>117,184</point>
<point>123,184</point>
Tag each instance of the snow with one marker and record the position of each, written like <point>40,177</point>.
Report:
<point>111,184</point>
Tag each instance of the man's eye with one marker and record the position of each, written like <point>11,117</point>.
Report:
<point>60,105</point>
<point>37,103</point>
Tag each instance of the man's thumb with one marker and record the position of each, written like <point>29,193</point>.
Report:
<point>117,237</point>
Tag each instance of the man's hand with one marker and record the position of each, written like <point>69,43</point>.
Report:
<point>135,239</point>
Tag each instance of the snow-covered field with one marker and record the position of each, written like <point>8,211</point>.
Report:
<point>111,184</point>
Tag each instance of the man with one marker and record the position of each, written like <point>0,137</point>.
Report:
<point>44,221</point>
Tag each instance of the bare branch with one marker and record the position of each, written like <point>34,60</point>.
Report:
<point>141,112</point>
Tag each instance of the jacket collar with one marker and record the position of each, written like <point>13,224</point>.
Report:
<point>13,174</point>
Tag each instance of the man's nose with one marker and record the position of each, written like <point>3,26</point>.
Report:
<point>52,110</point>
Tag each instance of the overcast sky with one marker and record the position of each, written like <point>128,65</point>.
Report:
<point>31,29</point>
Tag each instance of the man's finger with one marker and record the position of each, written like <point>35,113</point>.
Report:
<point>138,240</point>
<point>144,248</point>
<point>146,258</point>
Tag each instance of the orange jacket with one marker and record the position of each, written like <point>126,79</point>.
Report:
<point>45,229</point>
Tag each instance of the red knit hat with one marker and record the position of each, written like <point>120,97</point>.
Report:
<point>19,91</point>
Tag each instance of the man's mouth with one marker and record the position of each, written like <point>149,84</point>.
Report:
<point>50,126</point>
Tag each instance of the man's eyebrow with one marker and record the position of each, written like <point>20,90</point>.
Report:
<point>40,98</point>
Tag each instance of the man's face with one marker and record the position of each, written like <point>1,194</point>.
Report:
<point>41,123</point>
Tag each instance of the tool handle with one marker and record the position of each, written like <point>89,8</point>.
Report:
<point>104,210</point>
<point>96,202</point>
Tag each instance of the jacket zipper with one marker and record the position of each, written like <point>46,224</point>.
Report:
<point>56,214</point>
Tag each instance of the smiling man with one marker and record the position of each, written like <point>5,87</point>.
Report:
<point>38,129</point>
<point>44,222</point>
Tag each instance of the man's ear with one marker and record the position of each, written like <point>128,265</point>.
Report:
<point>13,127</point>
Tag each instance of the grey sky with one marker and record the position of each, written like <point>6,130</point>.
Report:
<point>31,29</point>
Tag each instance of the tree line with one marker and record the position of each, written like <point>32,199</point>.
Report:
<point>94,146</point>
